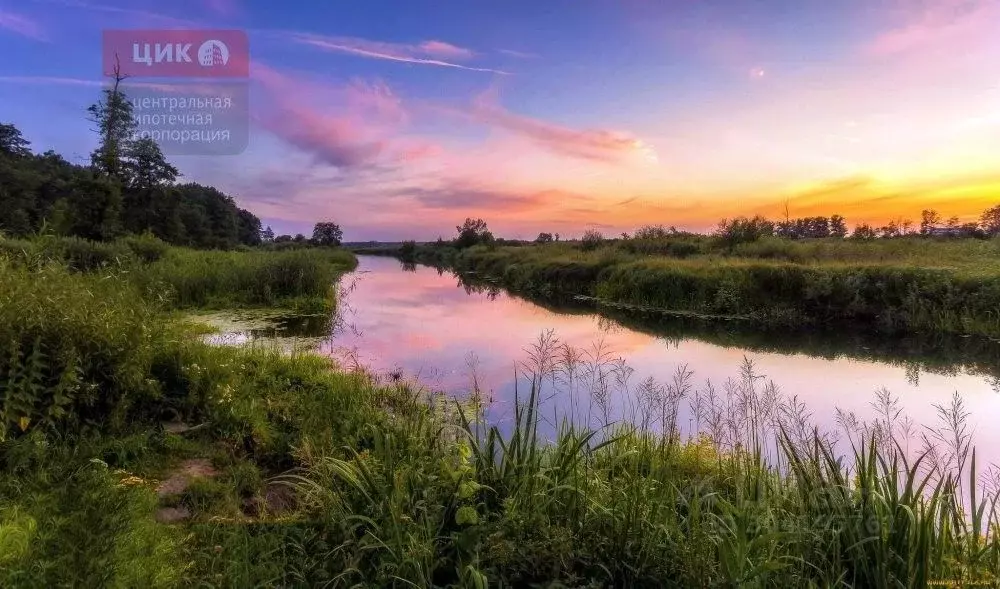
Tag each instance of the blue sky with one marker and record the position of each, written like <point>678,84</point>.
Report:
<point>398,119</point>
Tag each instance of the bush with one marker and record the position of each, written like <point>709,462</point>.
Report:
<point>294,278</point>
<point>146,247</point>
<point>592,239</point>
<point>408,251</point>
<point>76,253</point>
<point>743,230</point>
<point>75,350</point>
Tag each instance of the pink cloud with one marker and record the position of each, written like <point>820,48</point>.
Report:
<point>936,23</point>
<point>21,25</point>
<point>355,125</point>
<point>592,144</point>
<point>446,50</point>
<point>431,53</point>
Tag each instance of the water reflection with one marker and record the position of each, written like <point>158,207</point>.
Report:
<point>455,334</point>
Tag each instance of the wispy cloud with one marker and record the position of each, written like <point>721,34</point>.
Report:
<point>48,80</point>
<point>432,53</point>
<point>224,7</point>
<point>445,50</point>
<point>919,24</point>
<point>592,144</point>
<point>357,125</point>
<point>142,16</point>
<point>21,25</point>
<point>518,54</point>
<point>473,198</point>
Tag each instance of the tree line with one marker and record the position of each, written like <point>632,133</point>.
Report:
<point>744,229</point>
<point>128,187</point>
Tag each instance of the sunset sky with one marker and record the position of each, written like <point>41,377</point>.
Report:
<point>398,119</point>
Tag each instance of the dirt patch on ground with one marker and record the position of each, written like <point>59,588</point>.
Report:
<point>277,499</point>
<point>172,515</point>
<point>181,477</point>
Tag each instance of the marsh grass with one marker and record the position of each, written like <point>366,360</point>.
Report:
<point>299,280</point>
<point>753,494</point>
<point>328,476</point>
<point>892,285</point>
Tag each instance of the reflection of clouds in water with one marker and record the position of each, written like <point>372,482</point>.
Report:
<point>459,338</point>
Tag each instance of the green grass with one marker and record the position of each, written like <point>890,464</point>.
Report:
<point>300,280</point>
<point>333,478</point>
<point>892,285</point>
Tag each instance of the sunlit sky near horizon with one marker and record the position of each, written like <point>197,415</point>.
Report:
<point>400,119</point>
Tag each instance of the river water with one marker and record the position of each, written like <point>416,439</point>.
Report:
<point>427,326</point>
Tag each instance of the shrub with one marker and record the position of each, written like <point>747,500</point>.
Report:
<point>743,229</point>
<point>408,251</point>
<point>146,247</point>
<point>76,253</point>
<point>75,350</point>
<point>591,240</point>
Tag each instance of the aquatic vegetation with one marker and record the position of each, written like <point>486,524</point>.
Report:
<point>892,285</point>
<point>313,474</point>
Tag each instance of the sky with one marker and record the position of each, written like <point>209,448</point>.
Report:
<point>399,119</point>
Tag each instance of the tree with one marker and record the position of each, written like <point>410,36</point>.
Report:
<point>990,220</point>
<point>12,143</point>
<point>838,226</point>
<point>544,238</point>
<point>247,228</point>
<point>327,233</point>
<point>116,125</point>
<point>267,235</point>
<point>144,166</point>
<point>864,231</point>
<point>472,232</point>
<point>96,208</point>
<point>929,219</point>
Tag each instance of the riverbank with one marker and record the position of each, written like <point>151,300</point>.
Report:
<point>892,286</point>
<point>136,455</point>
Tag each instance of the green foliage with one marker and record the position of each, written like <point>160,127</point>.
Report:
<point>298,279</point>
<point>68,519</point>
<point>327,477</point>
<point>473,232</point>
<point>327,233</point>
<point>591,240</point>
<point>129,189</point>
<point>891,285</point>
<point>408,251</point>
<point>732,232</point>
<point>76,350</point>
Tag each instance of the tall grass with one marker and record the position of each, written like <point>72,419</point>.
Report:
<point>77,350</point>
<point>82,254</point>
<point>903,285</point>
<point>299,279</point>
<point>328,477</point>
<point>753,495</point>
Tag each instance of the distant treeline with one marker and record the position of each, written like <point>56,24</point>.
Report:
<point>46,193</point>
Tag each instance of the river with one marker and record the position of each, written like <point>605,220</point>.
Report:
<point>426,326</point>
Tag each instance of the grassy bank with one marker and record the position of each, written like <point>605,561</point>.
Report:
<point>300,474</point>
<point>299,280</point>
<point>893,285</point>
